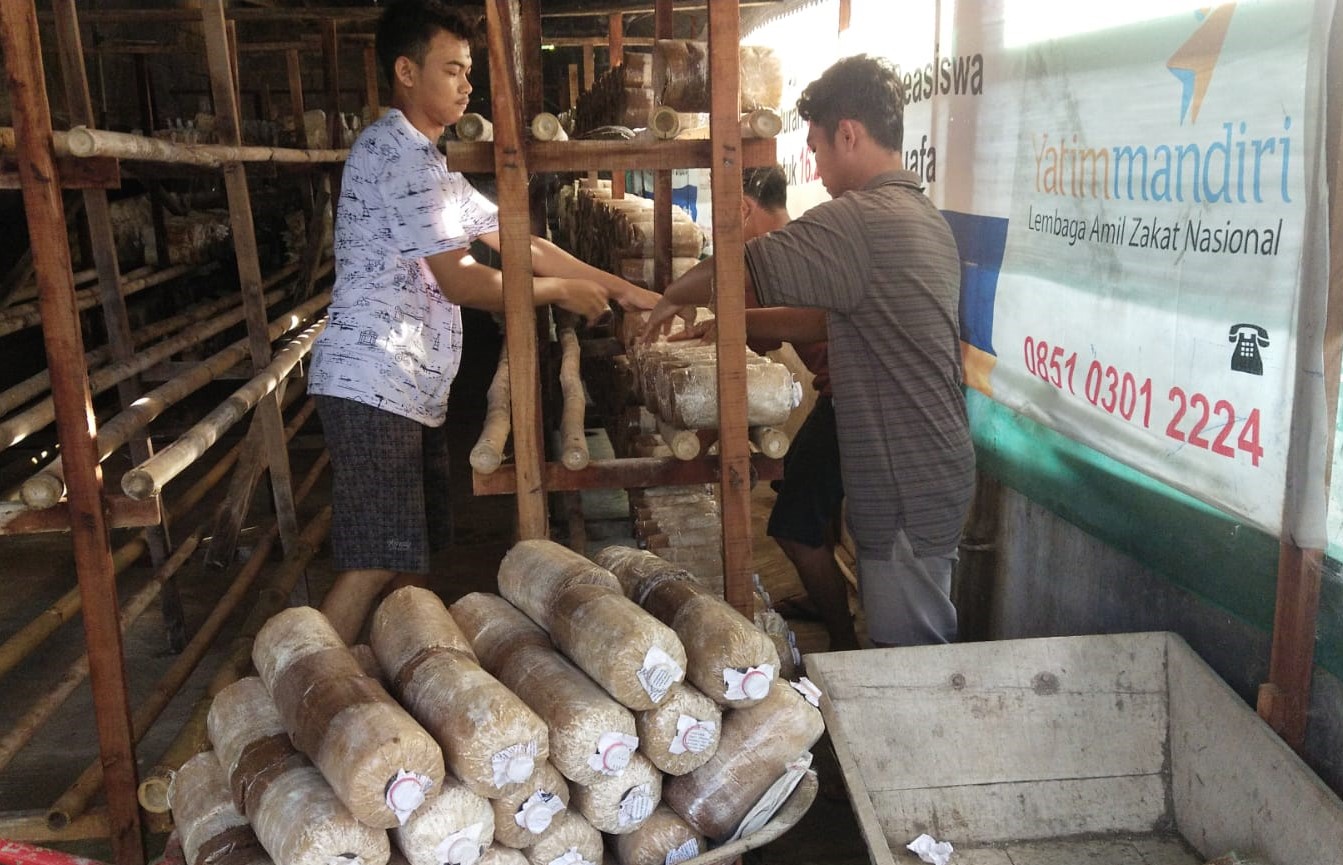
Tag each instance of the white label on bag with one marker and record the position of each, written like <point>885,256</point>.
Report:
<point>807,688</point>
<point>406,792</point>
<point>688,850</point>
<point>658,673</point>
<point>747,683</point>
<point>514,764</point>
<point>635,807</point>
<point>613,753</point>
<point>693,735</point>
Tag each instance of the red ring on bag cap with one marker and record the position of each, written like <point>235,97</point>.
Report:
<point>405,795</point>
<point>695,731</point>
<point>519,768</point>
<point>616,757</point>
<point>755,685</point>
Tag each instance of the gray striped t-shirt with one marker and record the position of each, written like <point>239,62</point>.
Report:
<point>883,263</point>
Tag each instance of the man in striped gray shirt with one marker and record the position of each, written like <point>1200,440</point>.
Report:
<point>882,262</point>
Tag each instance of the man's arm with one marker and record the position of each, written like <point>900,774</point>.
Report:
<point>766,328</point>
<point>694,287</point>
<point>466,282</point>
<point>550,260</point>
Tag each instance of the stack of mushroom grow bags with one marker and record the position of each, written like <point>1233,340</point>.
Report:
<point>587,712</point>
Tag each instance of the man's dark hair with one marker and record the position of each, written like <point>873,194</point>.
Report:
<point>407,26</point>
<point>768,185</point>
<point>859,88</point>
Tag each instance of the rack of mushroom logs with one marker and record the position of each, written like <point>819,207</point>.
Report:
<point>694,395</point>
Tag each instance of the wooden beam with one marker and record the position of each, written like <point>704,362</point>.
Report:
<point>331,79</point>
<point>729,275</point>
<point>122,513</point>
<point>371,81</point>
<point>563,156</point>
<point>100,173</point>
<point>631,473</point>
<point>663,27</point>
<point>510,159</point>
<point>229,128</point>
<point>533,86</point>
<point>75,424</point>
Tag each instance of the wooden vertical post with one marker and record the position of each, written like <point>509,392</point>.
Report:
<point>515,250</point>
<point>734,457</point>
<point>249,274</point>
<point>663,25</point>
<point>1284,701</point>
<point>236,72</point>
<point>589,75</point>
<point>371,81</point>
<point>98,215</point>
<point>75,423</point>
<point>616,42</point>
<point>296,108</point>
<point>331,68</point>
<point>573,85</point>
<point>533,87</point>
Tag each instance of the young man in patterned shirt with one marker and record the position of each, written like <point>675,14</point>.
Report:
<point>383,367</point>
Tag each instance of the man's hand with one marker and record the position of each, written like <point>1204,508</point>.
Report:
<point>584,297</point>
<point>660,319</point>
<point>632,298</point>
<point>705,331</point>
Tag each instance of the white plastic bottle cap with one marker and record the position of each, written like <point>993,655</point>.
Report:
<point>616,757</point>
<point>463,852</point>
<point>755,685</point>
<point>536,817</point>
<point>405,795</point>
<point>519,768</point>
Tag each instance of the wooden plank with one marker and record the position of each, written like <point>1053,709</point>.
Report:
<point>515,251</point>
<point>371,81</point>
<point>634,473</point>
<point>331,79</point>
<point>559,156</point>
<point>663,25</point>
<point>122,513</point>
<point>295,74</point>
<point>529,41</point>
<point>249,268</point>
<point>1234,784</point>
<point>75,424</point>
<point>995,813</point>
<point>97,173</point>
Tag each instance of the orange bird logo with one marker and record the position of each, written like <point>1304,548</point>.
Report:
<point>1193,62</point>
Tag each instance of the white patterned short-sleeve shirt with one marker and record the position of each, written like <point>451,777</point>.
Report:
<point>393,340</point>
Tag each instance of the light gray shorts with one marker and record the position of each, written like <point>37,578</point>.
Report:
<point>907,599</point>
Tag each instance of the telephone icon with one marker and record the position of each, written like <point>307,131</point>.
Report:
<point>1245,357</point>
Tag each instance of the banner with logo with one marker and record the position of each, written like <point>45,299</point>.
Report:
<point>1138,196</point>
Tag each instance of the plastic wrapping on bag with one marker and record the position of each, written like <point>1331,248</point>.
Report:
<point>663,839</point>
<point>570,840</point>
<point>203,809</point>
<point>628,652</point>
<point>728,658</point>
<point>377,758</point>
<point>498,855</point>
<point>591,735</point>
<point>682,734</point>
<point>756,747</point>
<point>523,811</point>
<point>294,812</point>
<point>534,572</point>
<point>410,622</point>
<point>619,804</point>
<point>489,736</point>
<point>453,828</point>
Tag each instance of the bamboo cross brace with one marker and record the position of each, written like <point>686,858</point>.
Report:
<point>148,478</point>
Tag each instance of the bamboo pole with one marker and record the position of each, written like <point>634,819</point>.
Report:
<point>75,800</point>
<point>64,345</point>
<point>488,453</point>
<point>26,640</point>
<point>34,418</point>
<point>84,143</point>
<point>771,441</point>
<point>35,385</point>
<point>22,731</point>
<point>148,478</point>
<point>25,315</point>
<point>573,439</point>
<point>45,488</point>
<point>684,443</point>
